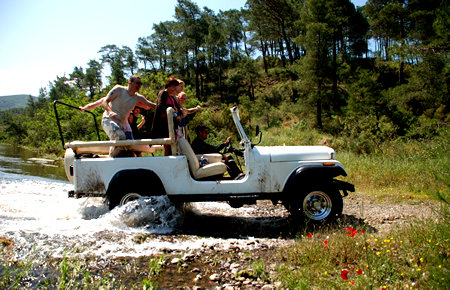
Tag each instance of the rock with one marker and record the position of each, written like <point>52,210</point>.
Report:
<point>214,277</point>
<point>195,270</point>
<point>188,257</point>
<point>175,261</point>
<point>268,287</point>
<point>197,278</point>
<point>234,265</point>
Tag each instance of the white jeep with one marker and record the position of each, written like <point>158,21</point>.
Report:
<point>302,178</point>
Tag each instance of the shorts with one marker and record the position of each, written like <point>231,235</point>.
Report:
<point>113,129</point>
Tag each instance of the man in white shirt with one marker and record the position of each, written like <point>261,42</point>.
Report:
<point>118,104</point>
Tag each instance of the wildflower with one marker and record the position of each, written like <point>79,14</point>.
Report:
<point>326,244</point>
<point>378,253</point>
<point>344,274</point>
<point>421,260</point>
<point>351,232</point>
<point>359,271</point>
<point>309,235</point>
<point>325,273</point>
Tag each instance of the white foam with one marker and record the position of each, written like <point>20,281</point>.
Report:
<point>43,222</point>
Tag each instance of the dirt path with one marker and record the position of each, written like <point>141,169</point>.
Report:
<point>254,233</point>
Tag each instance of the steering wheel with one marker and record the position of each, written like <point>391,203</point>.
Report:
<point>230,149</point>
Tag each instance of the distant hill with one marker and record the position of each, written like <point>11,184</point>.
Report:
<point>13,102</point>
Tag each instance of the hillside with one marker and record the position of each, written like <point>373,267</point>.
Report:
<point>13,102</point>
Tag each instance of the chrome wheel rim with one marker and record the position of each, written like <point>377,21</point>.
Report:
<point>317,205</point>
<point>129,197</point>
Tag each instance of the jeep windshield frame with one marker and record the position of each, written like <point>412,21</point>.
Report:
<point>237,122</point>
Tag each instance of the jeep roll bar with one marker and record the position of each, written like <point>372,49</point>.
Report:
<point>78,109</point>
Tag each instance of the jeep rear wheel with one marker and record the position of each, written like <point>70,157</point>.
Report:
<point>129,197</point>
<point>318,204</point>
<point>121,199</point>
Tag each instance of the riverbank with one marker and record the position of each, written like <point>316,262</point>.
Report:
<point>258,252</point>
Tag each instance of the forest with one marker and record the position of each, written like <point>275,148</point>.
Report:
<point>359,76</point>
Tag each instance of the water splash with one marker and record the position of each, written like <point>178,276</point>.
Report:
<point>37,216</point>
<point>156,214</point>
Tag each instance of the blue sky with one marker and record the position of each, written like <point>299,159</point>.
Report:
<point>42,39</point>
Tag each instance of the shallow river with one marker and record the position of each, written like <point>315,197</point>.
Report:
<point>43,223</point>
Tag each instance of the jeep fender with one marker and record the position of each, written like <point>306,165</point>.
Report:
<point>142,181</point>
<point>313,174</point>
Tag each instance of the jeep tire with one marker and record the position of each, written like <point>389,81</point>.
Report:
<point>317,203</point>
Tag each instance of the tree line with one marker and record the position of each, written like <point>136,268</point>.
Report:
<point>379,71</point>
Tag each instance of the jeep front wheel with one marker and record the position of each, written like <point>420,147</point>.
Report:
<point>318,204</point>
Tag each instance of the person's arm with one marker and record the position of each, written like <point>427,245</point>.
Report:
<point>111,96</point>
<point>139,126</point>
<point>146,104</point>
<point>223,145</point>
<point>192,110</point>
<point>92,105</point>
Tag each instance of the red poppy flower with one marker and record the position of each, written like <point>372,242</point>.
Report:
<point>344,274</point>
<point>309,235</point>
<point>359,271</point>
<point>351,232</point>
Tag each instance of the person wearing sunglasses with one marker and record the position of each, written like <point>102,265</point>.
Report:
<point>118,104</point>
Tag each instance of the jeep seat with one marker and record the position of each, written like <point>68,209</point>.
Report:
<point>216,168</point>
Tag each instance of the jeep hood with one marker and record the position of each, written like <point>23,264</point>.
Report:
<point>296,153</point>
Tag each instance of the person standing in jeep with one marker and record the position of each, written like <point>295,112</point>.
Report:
<point>201,147</point>
<point>118,104</point>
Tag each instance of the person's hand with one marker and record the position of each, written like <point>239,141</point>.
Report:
<point>228,140</point>
<point>197,108</point>
<point>112,115</point>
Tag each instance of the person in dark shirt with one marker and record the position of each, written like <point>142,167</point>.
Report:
<point>201,147</point>
<point>135,126</point>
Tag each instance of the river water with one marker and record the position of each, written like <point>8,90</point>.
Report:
<point>43,223</point>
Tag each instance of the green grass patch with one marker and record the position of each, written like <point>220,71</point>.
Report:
<point>412,256</point>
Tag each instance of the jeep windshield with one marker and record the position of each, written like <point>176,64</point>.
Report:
<point>237,122</point>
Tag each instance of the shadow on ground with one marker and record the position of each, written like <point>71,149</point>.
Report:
<point>220,226</point>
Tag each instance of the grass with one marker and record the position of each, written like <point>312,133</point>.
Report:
<point>414,256</point>
<point>73,273</point>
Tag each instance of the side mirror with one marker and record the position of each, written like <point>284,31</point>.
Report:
<point>258,133</point>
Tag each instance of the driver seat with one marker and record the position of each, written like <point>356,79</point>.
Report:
<point>208,170</point>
